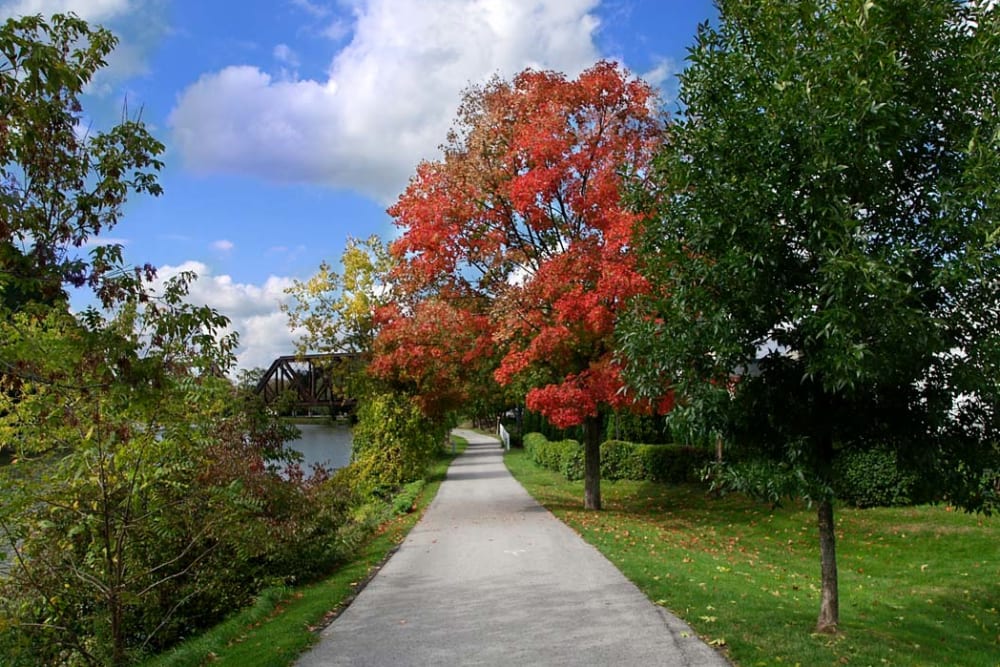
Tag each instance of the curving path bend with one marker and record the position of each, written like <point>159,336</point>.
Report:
<point>489,577</point>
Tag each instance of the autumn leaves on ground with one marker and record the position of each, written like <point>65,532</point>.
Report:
<point>794,272</point>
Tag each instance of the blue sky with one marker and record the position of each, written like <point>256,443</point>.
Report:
<point>292,124</point>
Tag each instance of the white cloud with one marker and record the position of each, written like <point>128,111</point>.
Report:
<point>284,53</point>
<point>663,75</point>
<point>89,10</point>
<point>94,241</point>
<point>139,26</point>
<point>313,8</point>
<point>254,310</point>
<point>337,30</point>
<point>389,95</point>
<point>223,245</point>
<point>664,69</point>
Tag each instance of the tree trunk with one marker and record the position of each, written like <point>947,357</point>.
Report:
<point>829,605</point>
<point>592,431</point>
<point>117,629</point>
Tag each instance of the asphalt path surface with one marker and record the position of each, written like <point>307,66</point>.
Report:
<point>489,577</point>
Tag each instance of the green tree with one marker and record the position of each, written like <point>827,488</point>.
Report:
<point>825,259</point>
<point>105,425</point>
<point>60,186</point>
<point>139,501</point>
<point>336,311</point>
<point>60,183</point>
<point>145,499</point>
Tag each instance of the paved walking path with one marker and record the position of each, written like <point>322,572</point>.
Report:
<point>489,577</point>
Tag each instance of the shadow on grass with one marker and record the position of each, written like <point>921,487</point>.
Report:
<point>918,585</point>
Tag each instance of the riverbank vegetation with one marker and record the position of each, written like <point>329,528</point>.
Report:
<point>284,621</point>
<point>145,495</point>
<point>920,584</point>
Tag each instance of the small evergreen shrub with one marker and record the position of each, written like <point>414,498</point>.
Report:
<point>656,463</point>
<point>562,456</point>
<point>671,464</point>
<point>619,460</point>
<point>872,478</point>
<point>531,443</point>
<point>570,459</point>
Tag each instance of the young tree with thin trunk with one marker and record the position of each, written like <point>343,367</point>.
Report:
<point>825,257</point>
<point>521,224</point>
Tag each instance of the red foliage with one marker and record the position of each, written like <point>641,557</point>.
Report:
<point>433,351</point>
<point>523,217</point>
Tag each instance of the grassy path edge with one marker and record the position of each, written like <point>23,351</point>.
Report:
<point>284,622</point>
<point>919,585</point>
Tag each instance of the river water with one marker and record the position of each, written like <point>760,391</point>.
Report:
<point>323,443</point>
<point>326,444</point>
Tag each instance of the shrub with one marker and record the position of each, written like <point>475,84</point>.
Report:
<point>619,460</point>
<point>872,478</point>
<point>531,443</point>
<point>393,443</point>
<point>562,456</point>
<point>547,455</point>
<point>656,463</point>
<point>570,459</point>
<point>647,429</point>
<point>214,523</point>
<point>403,502</point>
<point>672,464</point>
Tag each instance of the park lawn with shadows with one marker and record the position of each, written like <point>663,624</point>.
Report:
<point>918,585</point>
<point>285,622</point>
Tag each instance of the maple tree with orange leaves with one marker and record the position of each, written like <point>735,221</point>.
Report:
<point>515,250</point>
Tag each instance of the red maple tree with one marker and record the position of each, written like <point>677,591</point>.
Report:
<point>435,352</point>
<point>521,224</point>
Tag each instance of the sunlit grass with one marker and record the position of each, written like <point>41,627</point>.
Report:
<point>918,586</point>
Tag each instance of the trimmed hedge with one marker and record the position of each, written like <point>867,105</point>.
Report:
<point>562,456</point>
<point>672,464</point>
<point>647,429</point>
<point>619,460</point>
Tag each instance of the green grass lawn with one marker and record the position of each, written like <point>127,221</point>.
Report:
<point>918,586</point>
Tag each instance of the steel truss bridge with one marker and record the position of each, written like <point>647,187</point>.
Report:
<point>307,381</point>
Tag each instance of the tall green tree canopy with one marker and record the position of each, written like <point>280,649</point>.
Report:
<point>60,182</point>
<point>825,263</point>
